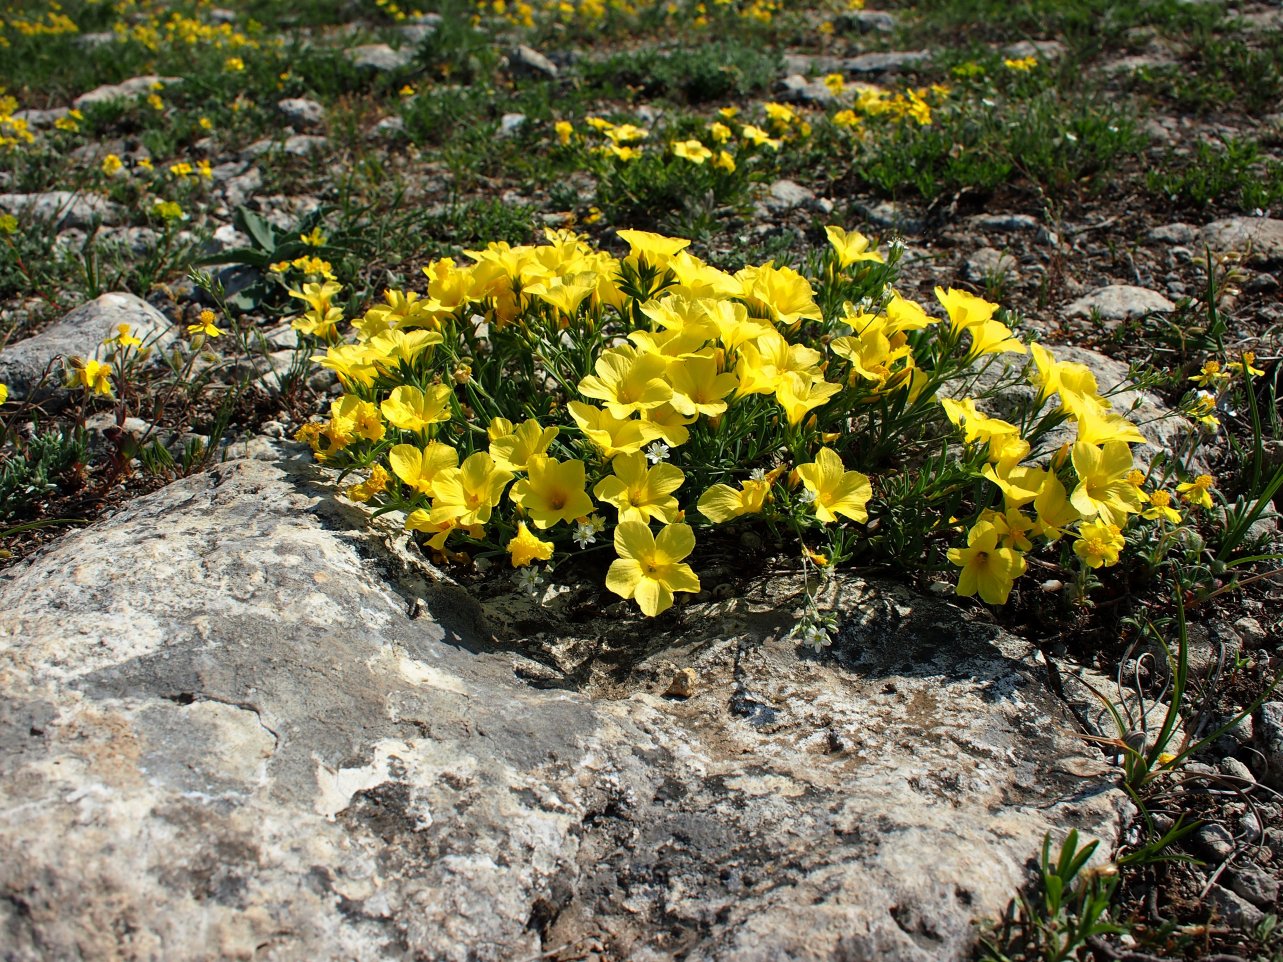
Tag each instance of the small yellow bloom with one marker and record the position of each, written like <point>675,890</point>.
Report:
<point>692,150</point>
<point>122,338</point>
<point>112,165</point>
<point>721,502</point>
<point>1099,543</point>
<point>1196,491</point>
<point>93,376</point>
<point>168,210</point>
<point>1161,508</point>
<point>987,568</point>
<point>205,124</point>
<point>1021,64</point>
<point>205,324</point>
<point>8,224</point>
<point>375,484</point>
<point>313,238</point>
<point>565,130</point>
<point>4,392</point>
<point>155,103</point>
<point>233,64</point>
<point>526,547</point>
<point>552,491</point>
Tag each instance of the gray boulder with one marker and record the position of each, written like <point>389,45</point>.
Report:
<point>379,58</point>
<point>130,89</point>
<point>237,721</point>
<point>1116,303</point>
<point>81,333</point>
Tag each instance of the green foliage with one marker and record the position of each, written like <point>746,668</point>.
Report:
<point>711,74</point>
<point>34,469</point>
<point>1232,173</point>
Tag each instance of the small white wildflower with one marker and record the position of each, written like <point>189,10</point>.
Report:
<point>757,474</point>
<point>658,451</point>
<point>816,638</point>
<point>585,533</point>
<point>806,496</point>
<point>529,579</point>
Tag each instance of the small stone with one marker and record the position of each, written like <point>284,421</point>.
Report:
<point>1120,302</point>
<point>683,684</point>
<point>1256,886</point>
<point>130,89</point>
<point>297,145</point>
<point>1236,769</point>
<point>1234,911</point>
<point>786,195</point>
<point>379,58</point>
<point>301,112</point>
<point>866,21</point>
<point>797,89</point>
<point>1212,841</point>
<point>389,127</point>
<point>989,265</point>
<point>1260,238</point>
<point>1005,222</point>
<point>1269,737</point>
<point>1251,632</point>
<point>63,208</point>
<point>1046,50</point>
<point>226,238</point>
<point>529,62</point>
<point>889,62</point>
<point>420,29</point>
<point>890,215</point>
<point>510,124</point>
<point>1173,234</point>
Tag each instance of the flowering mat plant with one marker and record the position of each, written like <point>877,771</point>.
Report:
<point>539,399</point>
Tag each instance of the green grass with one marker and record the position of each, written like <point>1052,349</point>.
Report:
<point>1232,174</point>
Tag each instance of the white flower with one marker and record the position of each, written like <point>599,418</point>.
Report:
<point>658,451</point>
<point>529,579</point>
<point>757,474</point>
<point>806,496</point>
<point>585,533</point>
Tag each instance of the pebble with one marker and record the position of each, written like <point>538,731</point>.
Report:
<point>1119,302</point>
<point>529,62</point>
<point>301,112</point>
<point>379,58</point>
<point>1212,842</point>
<point>1256,886</point>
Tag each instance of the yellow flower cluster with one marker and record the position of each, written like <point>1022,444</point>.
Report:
<point>588,13</point>
<point>1090,491</point>
<point>867,100</point>
<point>692,343</point>
<point>51,23</point>
<point>13,130</point>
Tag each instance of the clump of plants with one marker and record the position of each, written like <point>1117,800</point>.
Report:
<point>539,398</point>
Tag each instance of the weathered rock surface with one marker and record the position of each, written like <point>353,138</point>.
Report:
<point>125,90</point>
<point>379,58</point>
<point>237,723</point>
<point>63,208</point>
<point>1260,237</point>
<point>81,333</point>
<point>1120,302</point>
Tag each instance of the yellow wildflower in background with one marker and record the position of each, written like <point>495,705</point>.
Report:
<point>205,324</point>
<point>112,165</point>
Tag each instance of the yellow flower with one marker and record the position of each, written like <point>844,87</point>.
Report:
<point>1246,365</point>
<point>698,388</point>
<point>526,547</point>
<point>205,325</point>
<point>721,502</point>
<point>640,493</point>
<point>653,249</point>
<point>851,247</point>
<point>8,224</point>
<point>692,150</point>
<point>467,494</point>
<point>724,161</point>
<point>1211,374</point>
<point>4,392</point>
<point>155,103</point>
<point>418,467</point>
<point>233,64</point>
<point>313,238</point>
<point>363,415</point>
<point>610,434</point>
<point>1196,491</point>
<point>719,132</point>
<point>514,447</point>
<point>93,376</point>
<point>759,137</point>
<point>1161,507</point>
<point>122,338</point>
<point>977,426</point>
<point>1103,488</point>
<point>835,490</point>
<point>966,311</point>
<point>649,567</point>
<point>799,393</point>
<point>112,165</point>
<point>552,491</point>
<point>1021,64</point>
<point>628,381</point>
<point>410,409</point>
<point>565,130</point>
<point>376,483</point>
<point>1099,543</point>
<point>987,568</point>
<point>205,124</point>
<point>182,169</point>
<point>168,210</point>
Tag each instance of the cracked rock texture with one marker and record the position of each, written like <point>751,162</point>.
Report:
<point>237,723</point>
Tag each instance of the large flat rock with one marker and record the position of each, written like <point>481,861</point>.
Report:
<point>237,723</point>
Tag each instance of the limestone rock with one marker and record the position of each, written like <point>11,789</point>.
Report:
<point>786,195</point>
<point>80,333</point>
<point>797,89</point>
<point>1260,237</point>
<point>379,58</point>
<point>889,62</point>
<point>529,62</point>
<point>301,112</point>
<point>297,145</point>
<point>1120,302</point>
<point>866,21</point>
<point>238,721</point>
<point>1269,733</point>
<point>63,208</point>
<point>129,89</point>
